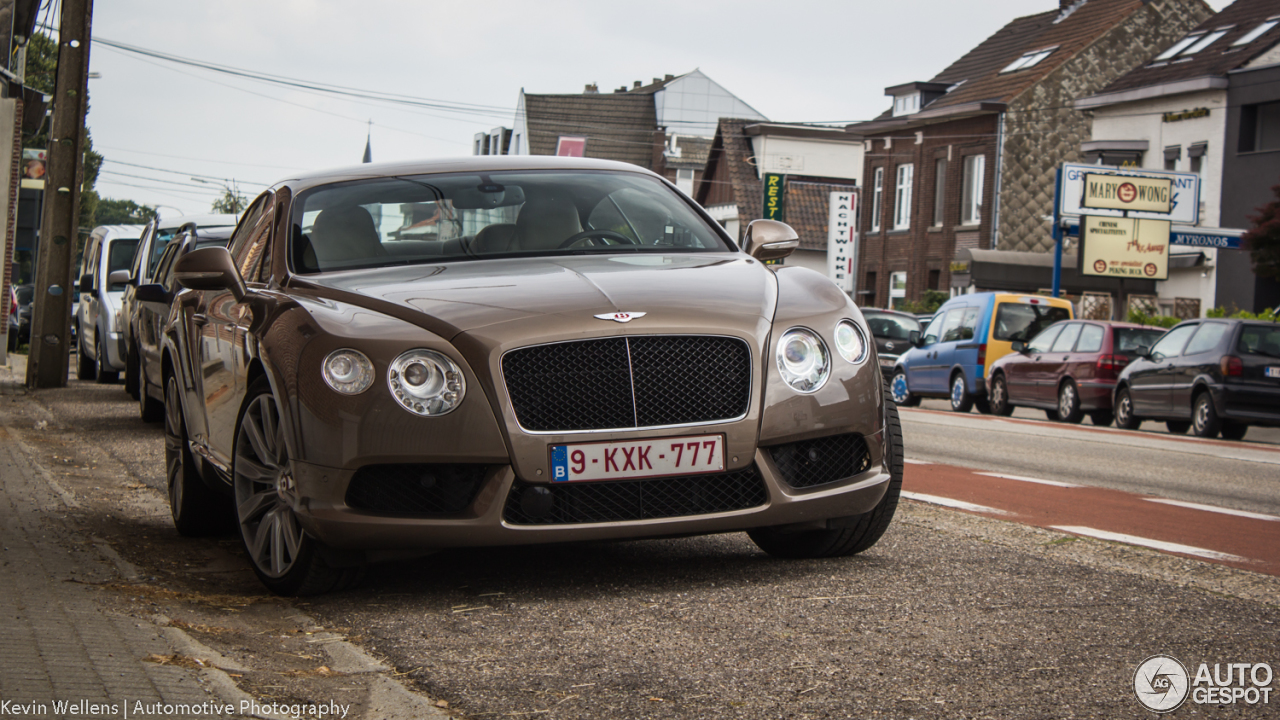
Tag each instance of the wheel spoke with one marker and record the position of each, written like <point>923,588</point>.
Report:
<point>254,471</point>
<point>269,428</point>
<point>291,532</point>
<point>277,543</point>
<point>257,549</point>
<point>253,433</point>
<point>256,505</point>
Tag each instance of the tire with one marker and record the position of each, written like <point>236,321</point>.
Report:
<point>197,510</point>
<point>1051,415</point>
<point>104,376</point>
<point>859,532</point>
<point>86,369</point>
<point>1102,418</point>
<point>1124,411</point>
<point>961,399</point>
<point>1000,397</point>
<point>285,558</point>
<point>149,409</point>
<point>1069,404</point>
<point>1204,416</point>
<point>900,392</point>
<point>1234,430</point>
<point>131,375</point>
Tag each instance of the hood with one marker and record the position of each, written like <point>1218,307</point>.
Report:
<point>706,289</point>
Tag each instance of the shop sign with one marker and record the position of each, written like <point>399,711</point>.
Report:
<point>1127,192</point>
<point>775,187</point>
<point>1183,201</point>
<point>842,238</point>
<point>1124,247</point>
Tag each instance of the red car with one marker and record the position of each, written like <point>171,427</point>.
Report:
<point>1069,369</point>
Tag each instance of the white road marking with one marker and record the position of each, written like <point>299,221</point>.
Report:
<point>1023,478</point>
<point>909,461</point>
<point>948,502</point>
<point>1146,542</point>
<point>1212,508</point>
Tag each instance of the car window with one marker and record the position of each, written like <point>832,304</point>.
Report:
<point>120,256</point>
<point>1020,321</point>
<point>934,329</point>
<point>1090,339</point>
<point>952,325</point>
<point>891,327</point>
<point>245,231</point>
<point>165,265</point>
<point>460,216</point>
<point>969,324</point>
<point>249,245</point>
<point>1260,340</point>
<point>1207,338</point>
<point>1067,338</point>
<point>1042,342</point>
<point>1128,340</point>
<point>1173,341</point>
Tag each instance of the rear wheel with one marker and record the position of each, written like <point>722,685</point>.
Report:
<point>1124,411</point>
<point>858,533</point>
<point>131,374</point>
<point>1102,418</point>
<point>286,559</point>
<point>1204,416</point>
<point>1234,430</point>
<point>900,393</point>
<point>1069,404</point>
<point>1000,397</point>
<point>105,376</point>
<point>86,369</point>
<point>196,508</point>
<point>961,399</point>
<point>149,409</point>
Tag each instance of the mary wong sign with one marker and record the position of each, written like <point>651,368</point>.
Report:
<point>1124,247</point>
<point>1127,192</point>
<point>1183,201</point>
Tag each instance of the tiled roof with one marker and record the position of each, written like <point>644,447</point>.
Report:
<point>693,152</point>
<point>808,211</point>
<point>618,126</point>
<point>1216,59</point>
<point>980,68</point>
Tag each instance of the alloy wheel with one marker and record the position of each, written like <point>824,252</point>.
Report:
<point>263,484</point>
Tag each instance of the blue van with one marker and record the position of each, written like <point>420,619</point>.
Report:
<point>967,334</point>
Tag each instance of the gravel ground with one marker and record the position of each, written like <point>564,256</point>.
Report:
<point>951,615</point>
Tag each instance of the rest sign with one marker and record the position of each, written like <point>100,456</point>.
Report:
<point>1127,192</point>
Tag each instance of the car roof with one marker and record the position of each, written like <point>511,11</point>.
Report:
<point>465,164</point>
<point>111,232</point>
<point>214,220</point>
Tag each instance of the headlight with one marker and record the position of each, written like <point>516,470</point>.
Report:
<point>850,342</point>
<point>348,371</point>
<point>427,383</point>
<point>802,360</point>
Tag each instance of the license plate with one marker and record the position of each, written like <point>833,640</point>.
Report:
<point>886,362</point>
<point>1273,371</point>
<point>627,459</point>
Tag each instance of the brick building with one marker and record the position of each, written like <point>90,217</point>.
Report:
<point>967,159</point>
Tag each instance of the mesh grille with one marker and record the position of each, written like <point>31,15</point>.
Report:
<point>628,382</point>
<point>416,489</point>
<point>640,499</point>
<point>820,461</point>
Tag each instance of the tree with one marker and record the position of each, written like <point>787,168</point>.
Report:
<point>123,212</point>
<point>231,202</point>
<point>1263,239</point>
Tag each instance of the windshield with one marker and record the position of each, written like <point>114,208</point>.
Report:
<point>891,327</point>
<point>1019,321</point>
<point>429,218</point>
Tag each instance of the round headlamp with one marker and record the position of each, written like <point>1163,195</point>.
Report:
<point>802,360</point>
<point>348,371</point>
<point>426,382</point>
<point>850,342</point>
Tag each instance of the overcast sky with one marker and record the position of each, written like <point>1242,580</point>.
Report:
<point>796,61</point>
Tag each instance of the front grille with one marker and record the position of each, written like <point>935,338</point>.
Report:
<point>810,463</point>
<point>615,383</point>
<point>596,502</point>
<point>415,489</point>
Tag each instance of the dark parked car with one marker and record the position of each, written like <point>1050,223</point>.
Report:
<point>1211,375</point>
<point>150,310</point>
<point>577,352</point>
<point>1069,369</point>
<point>892,332</point>
<point>20,309</point>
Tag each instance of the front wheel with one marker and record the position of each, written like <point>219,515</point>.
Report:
<point>900,392</point>
<point>131,373</point>
<point>1069,404</point>
<point>961,399</point>
<point>196,508</point>
<point>285,558</point>
<point>105,376</point>
<point>1124,411</point>
<point>857,533</point>
<point>1204,416</point>
<point>1000,397</point>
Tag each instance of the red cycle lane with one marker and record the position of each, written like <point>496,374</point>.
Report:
<point>1248,541</point>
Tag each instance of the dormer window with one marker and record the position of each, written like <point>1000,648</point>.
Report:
<point>1192,44</point>
<point>1257,32</point>
<point>906,104</point>
<point>1030,59</point>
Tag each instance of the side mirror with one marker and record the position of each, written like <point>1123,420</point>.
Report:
<point>210,269</point>
<point>151,293</point>
<point>769,240</point>
<point>913,337</point>
<point>1020,346</point>
<point>86,283</point>
<point>119,277</point>
<point>1144,351</point>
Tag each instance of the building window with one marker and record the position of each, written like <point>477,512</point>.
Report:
<point>1260,127</point>
<point>1256,33</point>
<point>935,279</point>
<point>1196,154</point>
<point>1172,154</point>
<point>939,190</point>
<point>684,180</point>
<point>871,289</point>
<point>877,194</point>
<point>1192,44</point>
<point>906,104</point>
<point>897,289</point>
<point>902,197</point>
<point>971,190</point>
<point>1030,59</point>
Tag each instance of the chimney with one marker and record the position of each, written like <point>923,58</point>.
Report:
<point>621,89</point>
<point>656,81</point>
<point>637,85</point>
<point>591,89</point>
<point>669,78</point>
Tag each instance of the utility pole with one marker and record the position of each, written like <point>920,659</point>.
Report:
<point>59,231</point>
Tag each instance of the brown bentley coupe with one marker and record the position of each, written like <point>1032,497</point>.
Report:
<point>395,359</point>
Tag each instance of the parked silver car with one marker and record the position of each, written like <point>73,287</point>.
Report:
<point>104,270</point>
